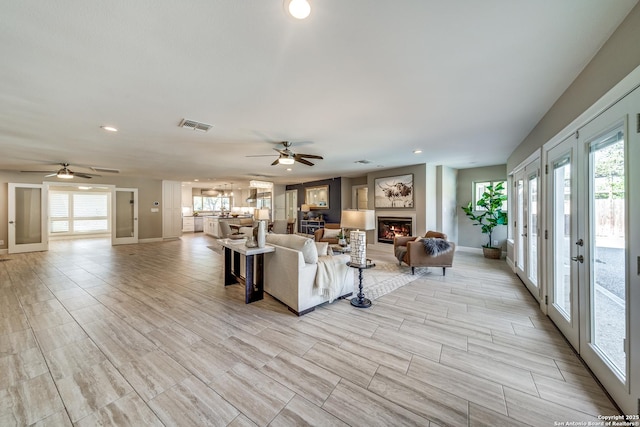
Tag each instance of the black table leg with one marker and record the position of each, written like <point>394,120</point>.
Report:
<point>360,301</point>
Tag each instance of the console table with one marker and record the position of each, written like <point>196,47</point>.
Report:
<point>254,272</point>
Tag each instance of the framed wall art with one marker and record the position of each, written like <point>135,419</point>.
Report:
<point>394,192</point>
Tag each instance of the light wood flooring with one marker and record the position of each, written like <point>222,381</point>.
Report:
<point>147,335</point>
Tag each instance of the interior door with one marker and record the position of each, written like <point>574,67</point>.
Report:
<point>563,244</point>
<point>28,226</point>
<point>124,216</point>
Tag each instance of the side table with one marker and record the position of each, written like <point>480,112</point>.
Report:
<point>360,301</point>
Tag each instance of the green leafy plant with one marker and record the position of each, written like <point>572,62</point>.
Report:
<point>492,214</point>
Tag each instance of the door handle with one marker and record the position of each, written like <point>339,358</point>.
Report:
<point>580,242</point>
<point>524,234</point>
<point>578,258</point>
<point>10,222</point>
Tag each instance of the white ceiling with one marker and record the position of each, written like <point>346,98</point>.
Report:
<point>464,80</point>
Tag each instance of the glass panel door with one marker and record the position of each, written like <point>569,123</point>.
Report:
<point>563,277</point>
<point>607,240</point>
<point>28,228</point>
<point>532,230</point>
<point>125,216</point>
<point>520,228</point>
<point>526,226</point>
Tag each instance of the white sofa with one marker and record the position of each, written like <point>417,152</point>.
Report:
<point>291,280</point>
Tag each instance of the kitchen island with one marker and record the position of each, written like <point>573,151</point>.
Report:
<point>212,223</point>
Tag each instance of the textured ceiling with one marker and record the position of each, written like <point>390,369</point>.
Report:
<point>465,81</point>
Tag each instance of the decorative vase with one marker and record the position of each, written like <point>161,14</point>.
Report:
<point>262,234</point>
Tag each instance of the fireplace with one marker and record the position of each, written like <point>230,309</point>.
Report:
<point>390,227</point>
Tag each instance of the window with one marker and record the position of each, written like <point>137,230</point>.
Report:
<point>480,187</point>
<point>78,213</point>
<point>207,203</point>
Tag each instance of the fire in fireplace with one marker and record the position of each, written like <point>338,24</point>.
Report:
<point>390,227</point>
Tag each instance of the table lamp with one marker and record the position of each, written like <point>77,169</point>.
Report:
<point>358,221</point>
<point>305,210</point>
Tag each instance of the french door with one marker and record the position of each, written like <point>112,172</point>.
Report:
<point>563,281</point>
<point>28,225</point>
<point>592,242</point>
<point>527,233</point>
<point>124,216</point>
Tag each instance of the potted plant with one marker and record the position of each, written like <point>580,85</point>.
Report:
<point>490,217</point>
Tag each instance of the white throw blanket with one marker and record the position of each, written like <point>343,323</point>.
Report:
<point>330,277</point>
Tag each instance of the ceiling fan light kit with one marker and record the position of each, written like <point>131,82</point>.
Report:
<point>286,160</point>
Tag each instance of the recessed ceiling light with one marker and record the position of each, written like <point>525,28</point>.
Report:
<point>418,151</point>
<point>109,128</point>
<point>299,9</point>
<point>196,180</point>
<point>82,187</point>
<point>289,169</point>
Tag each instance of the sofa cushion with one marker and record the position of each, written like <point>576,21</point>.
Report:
<point>299,243</point>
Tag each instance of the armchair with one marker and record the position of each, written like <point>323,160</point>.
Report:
<point>411,251</point>
<point>332,238</point>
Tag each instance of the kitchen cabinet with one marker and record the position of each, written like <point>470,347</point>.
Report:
<point>188,224</point>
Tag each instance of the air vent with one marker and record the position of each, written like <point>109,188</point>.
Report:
<point>364,162</point>
<point>193,125</point>
<point>110,170</point>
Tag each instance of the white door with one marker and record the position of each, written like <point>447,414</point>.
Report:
<point>606,287</point>
<point>124,215</point>
<point>28,226</point>
<point>563,244</point>
<point>527,235</point>
<point>291,204</point>
<point>594,246</point>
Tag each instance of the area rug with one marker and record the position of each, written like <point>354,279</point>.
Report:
<point>386,277</point>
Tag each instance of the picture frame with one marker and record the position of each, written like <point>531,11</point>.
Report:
<point>317,197</point>
<point>394,192</point>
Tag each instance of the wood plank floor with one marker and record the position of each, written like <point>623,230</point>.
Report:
<point>147,335</point>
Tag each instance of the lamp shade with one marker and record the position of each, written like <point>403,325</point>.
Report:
<point>305,208</point>
<point>261,214</point>
<point>358,219</point>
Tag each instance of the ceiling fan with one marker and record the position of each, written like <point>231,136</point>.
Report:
<point>66,173</point>
<point>288,157</point>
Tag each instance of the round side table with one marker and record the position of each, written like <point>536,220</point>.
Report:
<point>360,301</point>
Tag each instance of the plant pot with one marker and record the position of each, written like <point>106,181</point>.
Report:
<point>492,253</point>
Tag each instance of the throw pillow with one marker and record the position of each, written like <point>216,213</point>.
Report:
<point>300,243</point>
<point>323,248</point>
<point>331,233</point>
<point>434,246</point>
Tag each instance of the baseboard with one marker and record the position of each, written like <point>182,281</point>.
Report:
<point>469,249</point>
<point>4,251</point>
<point>511,264</point>
<point>152,240</point>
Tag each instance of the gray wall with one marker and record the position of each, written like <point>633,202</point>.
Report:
<point>616,59</point>
<point>149,190</point>
<point>469,235</point>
